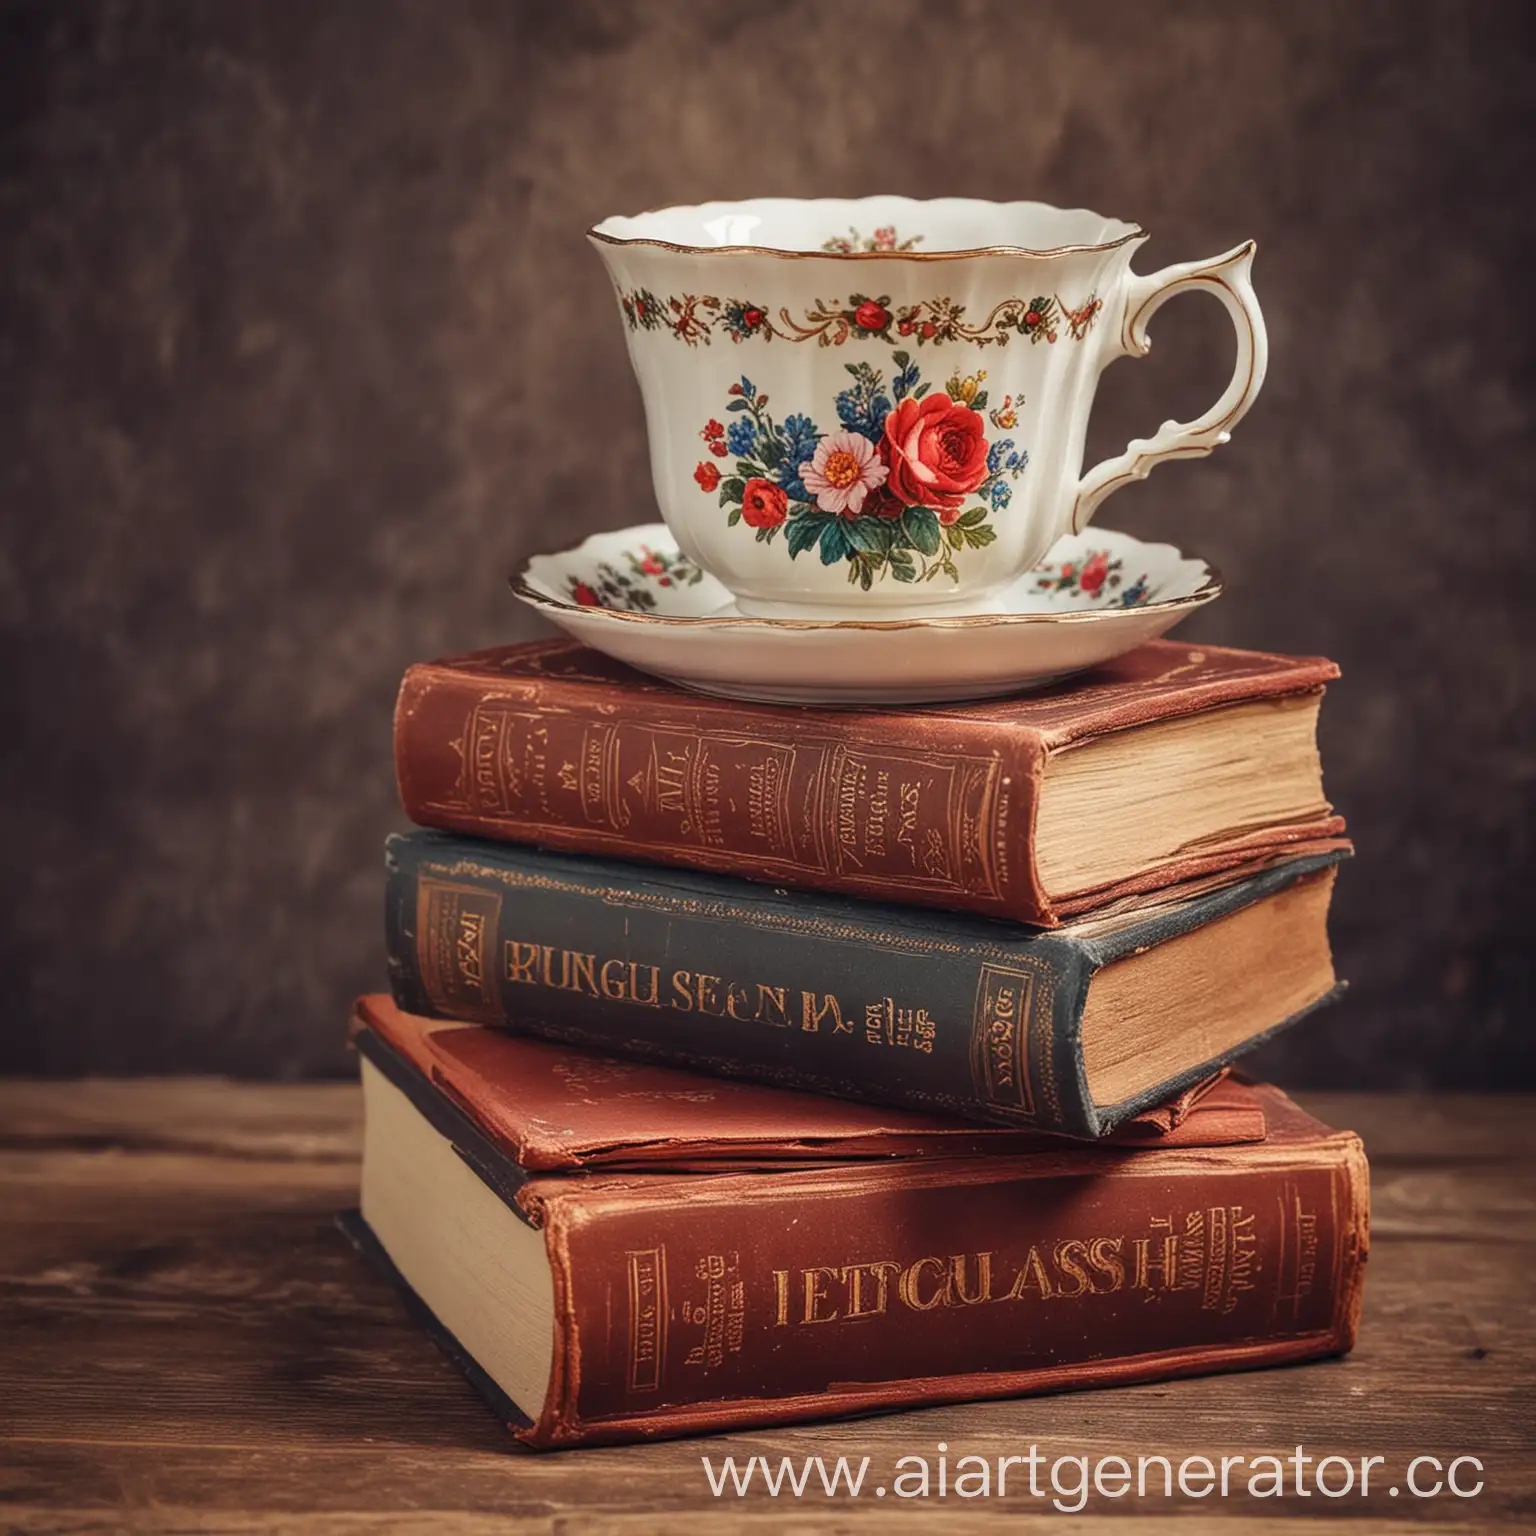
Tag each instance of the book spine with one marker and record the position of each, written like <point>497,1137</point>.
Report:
<point>777,987</point>
<point>932,812</point>
<point>768,1300</point>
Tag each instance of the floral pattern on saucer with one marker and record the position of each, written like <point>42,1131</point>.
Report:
<point>634,589</point>
<point>657,611</point>
<point>1096,575</point>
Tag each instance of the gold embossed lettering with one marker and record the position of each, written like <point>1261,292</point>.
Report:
<point>682,991</point>
<point>521,959</point>
<point>854,1277</point>
<point>708,994</point>
<point>545,975</point>
<point>907,1286</point>
<point>611,980</point>
<point>781,1291</point>
<point>582,977</point>
<point>653,1000</point>
<point>1164,1261</point>
<point>814,1009</point>
<point>814,1296</point>
<point>1104,1256</point>
<point>771,1008</point>
<point>1031,1276</point>
<point>957,1268</point>
<point>1070,1257</point>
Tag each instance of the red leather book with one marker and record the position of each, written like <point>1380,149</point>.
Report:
<point>617,1251</point>
<point>1173,762</point>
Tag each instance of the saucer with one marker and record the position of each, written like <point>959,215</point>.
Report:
<point>633,595</point>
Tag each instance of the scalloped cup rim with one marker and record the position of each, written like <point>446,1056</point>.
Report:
<point>605,232</point>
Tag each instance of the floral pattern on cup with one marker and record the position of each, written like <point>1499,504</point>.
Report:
<point>883,239</point>
<point>631,589</point>
<point>908,482</point>
<point>1095,576</point>
<point>695,318</point>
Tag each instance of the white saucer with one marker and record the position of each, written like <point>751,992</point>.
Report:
<point>633,595</point>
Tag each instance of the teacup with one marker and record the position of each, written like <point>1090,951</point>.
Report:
<point>876,408</point>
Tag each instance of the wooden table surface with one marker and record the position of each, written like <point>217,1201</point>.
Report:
<point>186,1343</point>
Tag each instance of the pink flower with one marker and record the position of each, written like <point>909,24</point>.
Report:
<point>844,471</point>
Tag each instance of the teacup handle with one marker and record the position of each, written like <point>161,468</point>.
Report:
<point>1227,277</point>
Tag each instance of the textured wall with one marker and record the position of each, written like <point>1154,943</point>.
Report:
<point>301,349</point>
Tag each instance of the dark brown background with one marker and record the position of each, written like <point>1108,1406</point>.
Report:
<point>301,349</point>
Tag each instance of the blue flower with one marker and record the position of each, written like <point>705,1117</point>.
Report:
<point>904,382</point>
<point>1135,594</point>
<point>864,409</point>
<point>1001,458</point>
<point>741,436</point>
<point>798,438</point>
<point>1000,493</point>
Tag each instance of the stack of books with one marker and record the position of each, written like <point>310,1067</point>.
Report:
<point>747,1064</point>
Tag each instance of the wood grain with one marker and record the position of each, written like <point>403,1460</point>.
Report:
<point>189,1345</point>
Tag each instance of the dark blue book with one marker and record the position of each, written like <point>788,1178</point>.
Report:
<point>1072,1029</point>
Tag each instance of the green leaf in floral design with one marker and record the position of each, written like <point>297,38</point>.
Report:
<point>803,532</point>
<point>834,542</point>
<point>734,518</point>
<point>902,567</point>
<point>980,537</point>
<point>922,529</point>
<point>871,535</point>
<point>747,470</point>
<point>732,490</point>
<point>737,405</point>
<point>971,518</point>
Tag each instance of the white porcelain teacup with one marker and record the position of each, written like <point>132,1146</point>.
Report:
<point>876,408</point>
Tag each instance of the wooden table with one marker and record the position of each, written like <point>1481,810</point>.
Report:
<point>186,1343</point>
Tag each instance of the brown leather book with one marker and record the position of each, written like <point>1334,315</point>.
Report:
<point>1173,762</point>
<point>616,1251</point>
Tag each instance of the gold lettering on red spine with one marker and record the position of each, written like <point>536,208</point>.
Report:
<point>647,1317</point>
<point>1000,1037</point>
<point>506,758</point>
<point>1206,1259</point>
<point>1300,1275</point>
<point>720,1311</point>
<point>455,927</point>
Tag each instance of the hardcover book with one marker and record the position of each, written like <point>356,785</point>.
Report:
<point>1073,1030</point>
<point>1170,763</point>
<point>613,1251</point>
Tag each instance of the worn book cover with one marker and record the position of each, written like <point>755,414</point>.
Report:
<point>1072,1030</point>
<point>613,1251</point>
<point>991,807</point>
